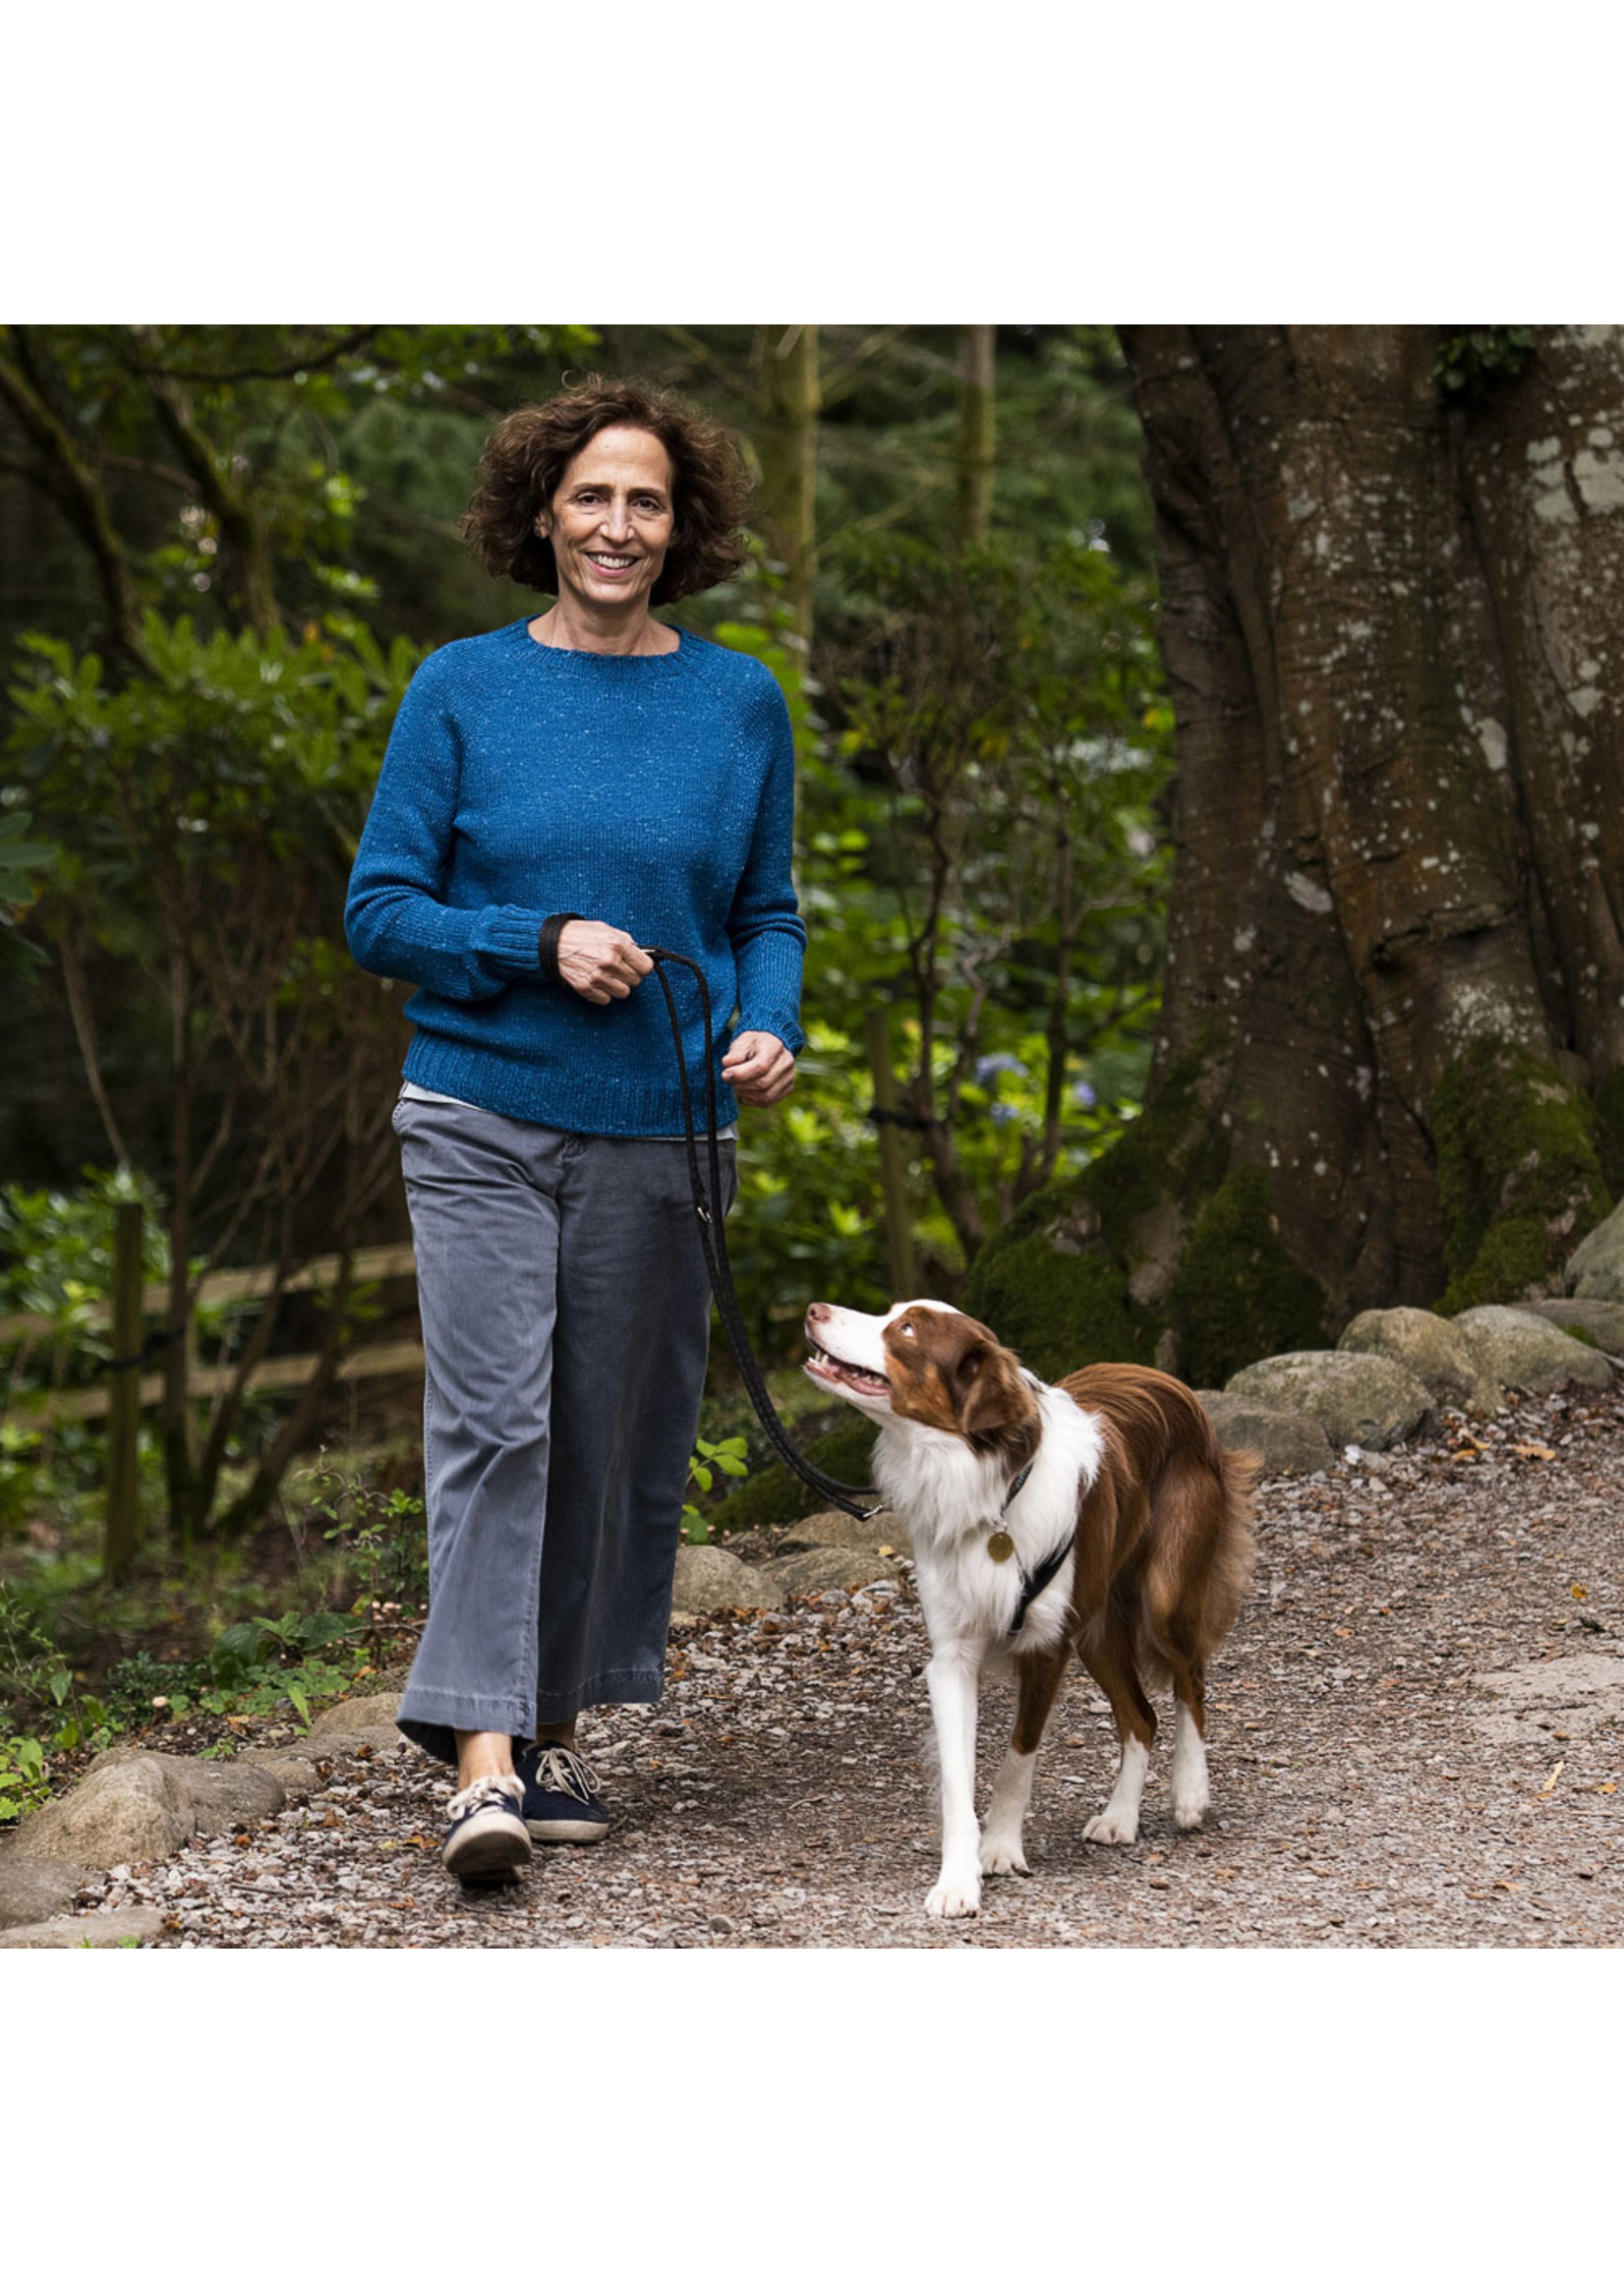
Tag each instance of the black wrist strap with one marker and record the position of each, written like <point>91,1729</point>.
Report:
<point>546,947</point>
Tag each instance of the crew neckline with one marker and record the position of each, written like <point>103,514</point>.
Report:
<point>596,655</point>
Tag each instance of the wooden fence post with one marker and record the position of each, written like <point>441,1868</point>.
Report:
<point>892,1165</point>
<point>124,1392</point>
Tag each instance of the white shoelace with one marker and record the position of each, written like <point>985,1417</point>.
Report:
<point>558,1769</point>
<point>480,1794</point>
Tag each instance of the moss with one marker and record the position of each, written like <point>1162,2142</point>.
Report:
<point>1060,1312</point>
<point>775,1494</point>
<point>1610,1131</point>
<point>1053,1283</point>
<point>1519,1180</point>
<point>1238,1296</point>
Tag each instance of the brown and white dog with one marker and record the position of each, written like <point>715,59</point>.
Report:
<point>1099,1514</point>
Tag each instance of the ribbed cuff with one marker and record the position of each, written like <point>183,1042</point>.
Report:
<point>547,947</point>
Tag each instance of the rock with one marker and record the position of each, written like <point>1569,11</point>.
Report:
<point>1595,1269</point>
<point>816,1569</point>
<point>131,1811</point>
<point>833,1528</point>
<point>224,1794</point>
<point>294,1769</point>
<point>1604,1322</point>
<point>1356,1399</point>
<point>1526,1353</point>
<point>710,1579</point>
<point>369,1720</point>
<point>31,1888</point>
<point>1433,1349</point>
<point>103,1930</point>
<point>1290,1445</point>
<point>136,1807</point>
<point>1579,1694</point>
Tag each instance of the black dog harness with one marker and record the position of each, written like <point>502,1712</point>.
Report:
<point>1033,1583</point>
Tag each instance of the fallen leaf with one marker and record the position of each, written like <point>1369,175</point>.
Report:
<point>1580,1594</point>
<point>1464,1457</point>
<point>1549,1785</point>
<point>1534,1452</point>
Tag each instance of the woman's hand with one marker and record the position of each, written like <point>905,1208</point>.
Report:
<point>759,1069</point>
<point>599,961</point>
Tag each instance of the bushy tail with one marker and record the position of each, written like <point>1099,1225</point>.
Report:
<point>1237,1547</point>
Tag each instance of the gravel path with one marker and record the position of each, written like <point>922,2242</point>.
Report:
<point>1367,1792</point>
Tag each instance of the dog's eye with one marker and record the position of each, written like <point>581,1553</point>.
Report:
<point>905,1326</point>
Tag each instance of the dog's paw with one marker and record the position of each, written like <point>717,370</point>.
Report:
<point>955,1897</point>
<point>1000,1855</point>
<point>1114,1828</point>
<point>1192,1798</point>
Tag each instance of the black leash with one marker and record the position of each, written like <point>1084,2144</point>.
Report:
<point>711,1216</point>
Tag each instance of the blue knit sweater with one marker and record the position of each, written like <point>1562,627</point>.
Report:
<point>653,793</point>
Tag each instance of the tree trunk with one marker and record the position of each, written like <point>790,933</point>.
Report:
<point>977,432</point>
<point>788,443</point>
<point>1388,1066</point>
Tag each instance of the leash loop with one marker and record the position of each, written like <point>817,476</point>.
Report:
<point>713,1240</point>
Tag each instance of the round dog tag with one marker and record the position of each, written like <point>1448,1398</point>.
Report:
<point>1000,1547</point>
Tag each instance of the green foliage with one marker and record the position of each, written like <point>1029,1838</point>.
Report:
<point>56,1261</point>
<point>727,1457</point>
<point>21,865</point>
<point>380,1538</point>
<point>1519,1180</point>
<point>1238,1296</point>
<point>23,1782</point>
<point>777,1496</point>
<point>33,1675</point>
<point>1474,361</point>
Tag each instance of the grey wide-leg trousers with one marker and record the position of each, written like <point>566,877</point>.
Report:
<point>565,1324</point>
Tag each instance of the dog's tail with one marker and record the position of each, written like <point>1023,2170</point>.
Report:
<point>1236,1549</point>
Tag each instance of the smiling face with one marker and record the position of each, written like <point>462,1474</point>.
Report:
<point>611,522</point>
<point>919,1362</point>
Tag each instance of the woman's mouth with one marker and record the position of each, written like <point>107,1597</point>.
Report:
<point>613,565</point>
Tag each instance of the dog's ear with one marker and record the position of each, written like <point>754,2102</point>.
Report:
<point>988,1389</point>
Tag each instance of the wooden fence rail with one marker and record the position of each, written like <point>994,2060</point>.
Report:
<point>369,1362</point>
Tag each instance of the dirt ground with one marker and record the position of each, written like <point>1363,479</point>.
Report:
<point>1368,1792</point>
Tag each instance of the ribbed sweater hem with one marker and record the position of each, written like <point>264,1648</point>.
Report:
<point>589,1105</point>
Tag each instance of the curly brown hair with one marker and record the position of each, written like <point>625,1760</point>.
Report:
<point>524,460</point>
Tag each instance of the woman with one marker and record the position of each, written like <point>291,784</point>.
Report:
<point>557,797</point>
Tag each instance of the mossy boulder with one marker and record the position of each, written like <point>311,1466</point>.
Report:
<point>1519,1178</point>
<point>1600,1325</point>
<point>1525,1352</point>
<point>1238,1296</point>
<point>1288,1445</point>
<point>1432,1348</point>
<point>1356,1399</point>
<point>775,1494</point>
<point>1595,1269</point>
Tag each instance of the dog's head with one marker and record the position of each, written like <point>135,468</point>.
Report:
<point>924,1363</point>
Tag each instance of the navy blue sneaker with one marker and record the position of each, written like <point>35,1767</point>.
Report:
<point>560,1796</point>
<point>487,1840</point>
